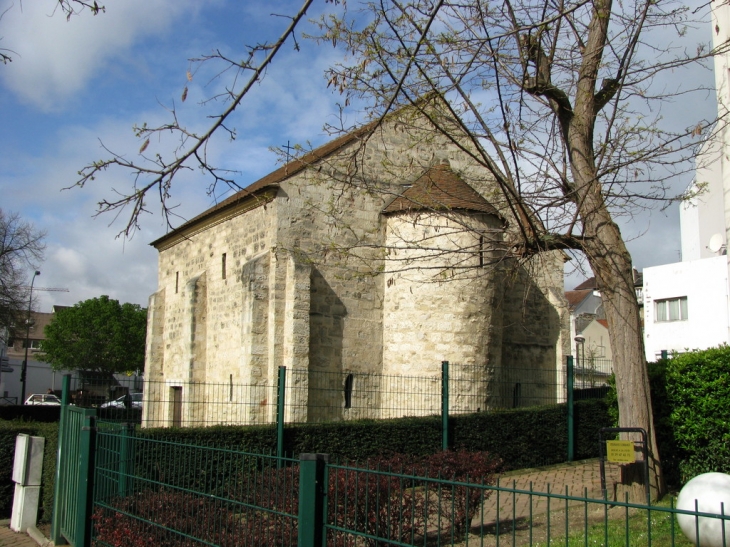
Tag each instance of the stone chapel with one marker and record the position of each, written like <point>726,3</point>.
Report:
<point>383,252</point>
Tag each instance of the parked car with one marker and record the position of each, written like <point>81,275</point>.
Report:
<point>132,400</point>
<point>43,399</point>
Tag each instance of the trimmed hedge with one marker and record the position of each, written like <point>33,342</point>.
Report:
<point>698,394</point>
<point>31,413</point>
<point>522,438</point>
<point>690,394</point>
<point>8,431</point>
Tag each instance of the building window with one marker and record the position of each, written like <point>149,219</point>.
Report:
<point>671,309</point>
<point>177,281</point>
<point>33,344</point>
<point>349,381</point>
<point>176,404</point>
<point>223,265</point>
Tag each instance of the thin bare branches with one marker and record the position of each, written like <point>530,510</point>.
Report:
<point>159,173</point>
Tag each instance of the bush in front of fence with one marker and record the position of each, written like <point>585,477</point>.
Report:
<point>391,497</point>
<point>171,518</point>
<point>535,436</point>
<point>9,430</point>
<point>690,394</point>
<point>31,413</point>
<point>522,438</point>
<point>698,391</point>
<point>386,497</point>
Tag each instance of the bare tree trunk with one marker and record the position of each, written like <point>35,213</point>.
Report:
<point>611,264</point>
<point>604,247</point>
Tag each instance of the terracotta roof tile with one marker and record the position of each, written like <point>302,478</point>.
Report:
<point>588,284</point>
<point>577,296</point>
<point>440,189</point>
<point>591,283</point>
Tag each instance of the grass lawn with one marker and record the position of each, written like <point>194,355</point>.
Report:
<point>622,528</point>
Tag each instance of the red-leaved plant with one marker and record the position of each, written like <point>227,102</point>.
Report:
<point>394,498</point>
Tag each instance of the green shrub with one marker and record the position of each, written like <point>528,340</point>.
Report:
<point>31,413</point>
<point>9,430</point>
<point>260,508</point>
<point>522,438</point>
<point>698,392</point>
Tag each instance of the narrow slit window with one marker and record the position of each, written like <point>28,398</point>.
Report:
<point>481,251</point>
<point>223,265</point>
<point>177,281</point>
<point>517,395</point>
<point>349,380</point>
<point>176,404</point>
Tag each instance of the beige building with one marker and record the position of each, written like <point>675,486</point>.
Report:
<point>383,252</point>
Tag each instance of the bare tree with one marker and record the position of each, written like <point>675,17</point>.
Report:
<point>68,7</point>
<point>156,173</point>
<point>21,249</point>
<point>562,101</point>
<point>559,102</point>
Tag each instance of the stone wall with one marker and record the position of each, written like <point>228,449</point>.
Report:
<point>303,279</point>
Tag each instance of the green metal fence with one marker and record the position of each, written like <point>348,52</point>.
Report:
<point>385,507</point>
<point>315,396</point>
<point>164,493</point>
<point>161,493</point>
<point>321,396</point>
<point>120,489</point>
<point>74,473</point>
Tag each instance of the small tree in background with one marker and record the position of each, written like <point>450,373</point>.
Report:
<point>21,250</point>
<point>99,335</point>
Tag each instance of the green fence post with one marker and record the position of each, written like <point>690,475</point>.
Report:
<point>125,458</point>
<point>571,430</point>
<point>58,487</point>
<point>444,405</point>
<point>280,401</point>
<point>87,440</point>
<point>312,493</point>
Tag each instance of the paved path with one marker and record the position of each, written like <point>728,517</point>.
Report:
<point>8,538</point>
<point>582,479</point>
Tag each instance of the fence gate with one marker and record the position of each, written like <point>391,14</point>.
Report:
<point>74,473</point>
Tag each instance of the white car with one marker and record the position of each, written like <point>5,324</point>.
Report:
<point>134,400</point>
<point>46,399</point>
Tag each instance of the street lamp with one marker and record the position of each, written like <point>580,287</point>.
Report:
<point>24,369</point>
<point>580,342</point>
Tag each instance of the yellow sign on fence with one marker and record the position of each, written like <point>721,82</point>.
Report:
<point>620,451</point>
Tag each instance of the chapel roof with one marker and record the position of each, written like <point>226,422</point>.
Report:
<point>439,189</point>
<point>273,179</point>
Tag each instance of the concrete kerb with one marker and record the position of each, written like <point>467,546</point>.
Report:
<point>33,537</point>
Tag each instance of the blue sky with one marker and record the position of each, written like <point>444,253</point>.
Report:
<point>75,83</point>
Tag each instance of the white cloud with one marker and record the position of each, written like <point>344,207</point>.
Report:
<point>55,58</point>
